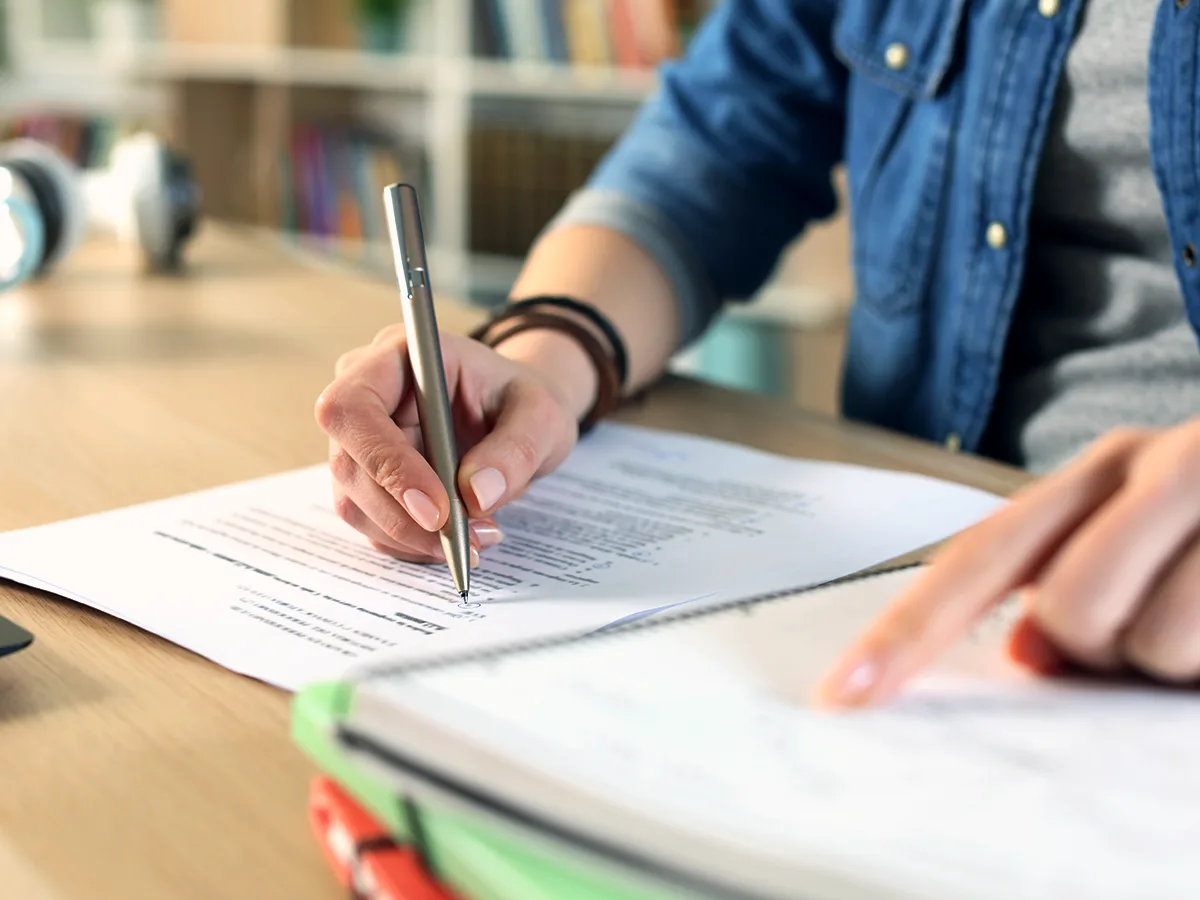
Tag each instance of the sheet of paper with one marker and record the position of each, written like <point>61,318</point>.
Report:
<point>262,577</point>
<point>980,782</point>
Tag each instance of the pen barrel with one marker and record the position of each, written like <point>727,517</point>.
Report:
<point>456,544</point>
<point>437,425</point>
<point>428,371</point>
<point>404,215</point>
<point>429,388</point>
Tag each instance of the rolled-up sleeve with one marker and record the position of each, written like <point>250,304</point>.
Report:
<point>731,157</point>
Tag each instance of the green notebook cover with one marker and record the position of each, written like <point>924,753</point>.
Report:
<point>477,862</point>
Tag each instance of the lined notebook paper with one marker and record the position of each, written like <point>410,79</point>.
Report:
<point>686,751</point>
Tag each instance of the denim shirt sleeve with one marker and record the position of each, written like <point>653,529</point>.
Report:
<point>730,159</point>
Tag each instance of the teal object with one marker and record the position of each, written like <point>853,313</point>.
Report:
<point>744,354</point>
<point>383,26</point>
<point>378,36</point>
<point>477,861</point>
<point>22,236</point>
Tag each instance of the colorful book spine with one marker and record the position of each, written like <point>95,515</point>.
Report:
<point>365,858</point>
<point>85,140</point>
<point>625,45</point>
<point>633,34</point>
<point>331,180</point>
<point>493,32</point>
<point>552,29</point>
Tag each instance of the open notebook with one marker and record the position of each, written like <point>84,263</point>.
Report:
<point>681,752</point>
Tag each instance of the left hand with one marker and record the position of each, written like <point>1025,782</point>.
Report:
<point>1105,553</point>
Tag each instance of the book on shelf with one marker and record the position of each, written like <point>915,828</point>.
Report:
<point>86,141</point>
<point>331,179</point>
<point>626,34</point>
<point>377,26</point>
<point>519,180</point>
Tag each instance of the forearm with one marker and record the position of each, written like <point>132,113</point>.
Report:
<point>722,167</point>
<point>611,272</point>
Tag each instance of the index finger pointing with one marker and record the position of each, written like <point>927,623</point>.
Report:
<point>979,568</point>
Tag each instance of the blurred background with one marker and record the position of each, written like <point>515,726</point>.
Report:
<point>294,113</point>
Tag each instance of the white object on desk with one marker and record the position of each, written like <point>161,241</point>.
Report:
<point>685,752</point>
<point>262,577</point>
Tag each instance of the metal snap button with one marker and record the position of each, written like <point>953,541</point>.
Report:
<point>896,56</point>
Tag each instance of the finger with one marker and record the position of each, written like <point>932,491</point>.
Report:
<point>1029,648</point>
<point>359,500</point>
<point>980,567</point>
<point>532,435</point>
<point>348,359</point>
<point>400,553</point>
<point>391,336</point>
<point>356,412</point>
<point>419,559</point>
<point>484,533</point>
<point>1164,639</point>
<point>353,516</point>
<point>1110,566</point>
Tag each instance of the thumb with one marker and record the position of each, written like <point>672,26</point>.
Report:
<point>532,435</point>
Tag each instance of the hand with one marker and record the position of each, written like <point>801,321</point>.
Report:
<point>1105,554</point>
<point>511,422</point>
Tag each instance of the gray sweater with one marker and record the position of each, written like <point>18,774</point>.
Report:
<point>1101,338</point>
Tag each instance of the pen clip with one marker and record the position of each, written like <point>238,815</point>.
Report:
<point>408,238</point>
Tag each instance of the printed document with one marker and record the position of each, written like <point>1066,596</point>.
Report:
<point>264,578</point>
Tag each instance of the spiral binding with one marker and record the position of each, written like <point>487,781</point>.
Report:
<point>491,655</point>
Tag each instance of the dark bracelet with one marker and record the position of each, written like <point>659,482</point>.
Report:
<point>515,320</point>
<point>619,357</point>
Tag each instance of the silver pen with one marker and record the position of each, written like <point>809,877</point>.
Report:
<point>425,356</point>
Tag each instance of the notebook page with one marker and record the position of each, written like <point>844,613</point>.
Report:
<point>980,782</point>
<point>263,577</point>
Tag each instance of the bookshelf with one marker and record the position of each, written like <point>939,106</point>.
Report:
<point>497,109</point>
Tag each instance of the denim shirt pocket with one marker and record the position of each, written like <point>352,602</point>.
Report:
<point>903,57</point>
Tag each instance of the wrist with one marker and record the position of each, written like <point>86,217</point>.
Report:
<point>563,363</point>
<point>564,340</point>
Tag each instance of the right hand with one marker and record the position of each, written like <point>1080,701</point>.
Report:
<point>512,425</point>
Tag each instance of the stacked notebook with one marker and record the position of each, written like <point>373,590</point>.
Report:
<point>679,757</point>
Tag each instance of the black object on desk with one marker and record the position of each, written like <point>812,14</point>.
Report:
<point>13,637</point>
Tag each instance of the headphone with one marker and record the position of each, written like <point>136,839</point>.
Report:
<point>146,196</point>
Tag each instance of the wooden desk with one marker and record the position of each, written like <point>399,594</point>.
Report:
<point>130,768</point>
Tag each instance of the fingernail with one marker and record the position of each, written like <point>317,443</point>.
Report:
<point>474,558</point>
<point>487,535</point>
<point>854,687</point>
<point>488,485</point>
<point>423,510</point>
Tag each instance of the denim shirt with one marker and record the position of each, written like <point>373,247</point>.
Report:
<point>938,110</point>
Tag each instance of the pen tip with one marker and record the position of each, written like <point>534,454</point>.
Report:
<point>463,594</point>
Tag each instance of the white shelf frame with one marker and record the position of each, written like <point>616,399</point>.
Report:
<point>450,80</point>
<point>55,74</point>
